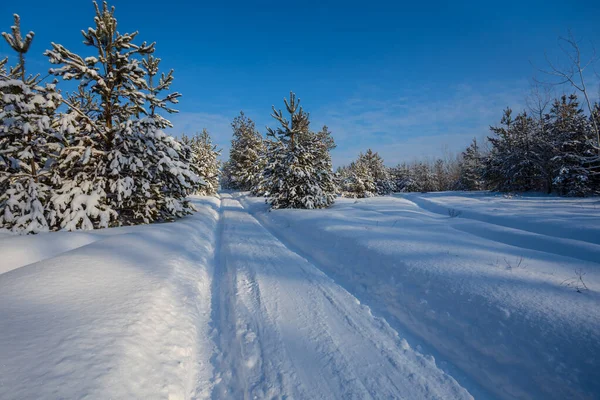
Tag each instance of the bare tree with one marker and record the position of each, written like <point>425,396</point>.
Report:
<point>573,74</point>
<point>540,96</point>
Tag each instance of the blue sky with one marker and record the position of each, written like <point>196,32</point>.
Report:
<point>409,81</point>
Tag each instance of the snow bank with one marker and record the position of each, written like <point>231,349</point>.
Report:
<point>482,291</point>
<point>118,313</point>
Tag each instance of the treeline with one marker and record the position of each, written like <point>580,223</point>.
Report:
<point>97,157</point>
<point>557,152</point>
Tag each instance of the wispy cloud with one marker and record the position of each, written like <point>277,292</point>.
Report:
<point>420,123</point>
<point>425,123</point>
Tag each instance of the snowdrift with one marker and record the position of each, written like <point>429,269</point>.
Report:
<point>119,313</point>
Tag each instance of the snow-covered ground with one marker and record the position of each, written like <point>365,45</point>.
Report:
<point>483,290</point>
<point>118,313</point>
<point>416,296</point>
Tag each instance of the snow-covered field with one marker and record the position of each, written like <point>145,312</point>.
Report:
<point>445,295</point>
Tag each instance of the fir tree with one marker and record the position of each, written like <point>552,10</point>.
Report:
<point>28,142</point>
<point>297,174</point>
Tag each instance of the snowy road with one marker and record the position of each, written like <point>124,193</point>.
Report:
<point>287,330</point>
<point>213,306</point>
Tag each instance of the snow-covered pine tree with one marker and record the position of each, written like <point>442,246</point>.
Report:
<point>205,162</point>
<point>274,150</point>
<point>380,173</point>
<point>471,168</point>
<point>362,183</point>
<point>326,138</point>
<point>515,162</point>
<point>367,177</point>
<point>424,178</point>
<point>28,141</point>
<point>170,162</point>
<point>342,179</point>
<point>297,174</point>
<point>118,169</point>
<point>246,156</point>
<point>403,178</point>
<point>324,135</point>
<point>96,185</point>
<point>496,164</point>
<point>574,150</point>
<point>527,172</point>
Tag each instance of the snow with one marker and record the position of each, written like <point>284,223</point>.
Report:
<point>455,285</point>
<point>126,315</point>
<point>301,335</point>
<point>385,297</point>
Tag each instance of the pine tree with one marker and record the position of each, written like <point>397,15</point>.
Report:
<point>403,178</point>
<point>169,162</point>
<point>342,180</point>
<point>383,182</point>
<point>205,162</point>
<point>471,168</point>
<point>574,149</point>
<point>297,174</point>
<point>424,178</point>
<point>518,159</point>
<point>246,156</point>
<point>28,141</point>
<point>362,182</point>
<point>367,177</point>
<point>119,168</point>
<point>325,137</point>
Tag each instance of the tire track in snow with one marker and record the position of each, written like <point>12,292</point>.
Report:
<point>229,380</point>
<point>306,337</point>
<point>257,361</point>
